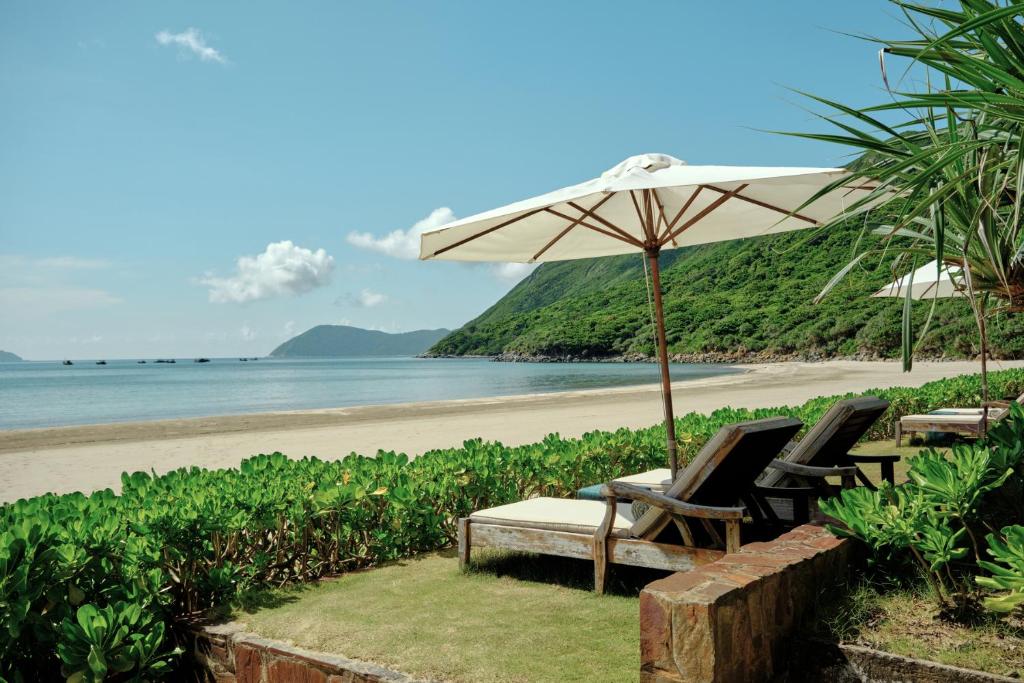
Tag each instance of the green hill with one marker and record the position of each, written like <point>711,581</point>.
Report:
<point>326,341</point>
<point>8,357</point>
<point>730,300</point>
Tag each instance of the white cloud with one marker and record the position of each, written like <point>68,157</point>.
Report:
<point>512,272</point>
<point>365,298</point>
<point>247,333</point>
<point>289,329</point>
<point>191,41</point>
<point>283,268</point>
<point>403,244</point>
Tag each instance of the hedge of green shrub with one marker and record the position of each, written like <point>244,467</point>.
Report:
<point>90,586</point>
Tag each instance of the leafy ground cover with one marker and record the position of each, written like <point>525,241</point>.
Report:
<point>426,618</point>
<point>91,586</point>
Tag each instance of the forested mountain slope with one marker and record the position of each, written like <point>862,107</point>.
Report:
<point>744,299</point>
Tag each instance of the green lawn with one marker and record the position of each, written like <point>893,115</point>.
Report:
<point>500,622</point>
<point>511,618</point>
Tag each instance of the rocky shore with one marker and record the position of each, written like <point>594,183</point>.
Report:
<point>710,357</point>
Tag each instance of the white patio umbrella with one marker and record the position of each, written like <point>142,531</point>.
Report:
<point>931,282</point>
<point>645,204</point>
<point>927,282</point>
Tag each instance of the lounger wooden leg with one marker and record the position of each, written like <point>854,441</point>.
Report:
<point>889,473</point>
<point>899,434</point>
<point>464,542</point>
<point>600,564</point>
<point>732,535</point>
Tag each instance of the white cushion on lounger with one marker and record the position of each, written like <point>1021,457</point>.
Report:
<point>941,419</point>
<point>656,480</point>
<point>556,514</point>
<point>970,412</point>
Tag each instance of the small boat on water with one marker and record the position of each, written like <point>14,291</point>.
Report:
<point>67,362</point>
<point>244,360</point>
<point>201,360</point>
<point>162,360</point>
<point>141,362</point>
<point>101,362</point>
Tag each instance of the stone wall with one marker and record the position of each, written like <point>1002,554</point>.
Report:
<point>734,619</point>
<point>227,654</point>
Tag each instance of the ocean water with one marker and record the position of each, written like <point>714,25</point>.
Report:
<point>48,394</point>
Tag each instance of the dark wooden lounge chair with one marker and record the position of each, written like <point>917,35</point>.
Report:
<point>682,528</point>
<point>792,485</point>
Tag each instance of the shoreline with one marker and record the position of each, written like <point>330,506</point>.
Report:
<point>90,457</point>
<point>64,436</point>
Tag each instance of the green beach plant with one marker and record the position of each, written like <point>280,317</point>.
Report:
<point>1007,569</point>
<point>940,513</point>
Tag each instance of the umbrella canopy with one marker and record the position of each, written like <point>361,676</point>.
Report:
<point>645,204</point>
<point>613,214</point>
<point>927,282</point>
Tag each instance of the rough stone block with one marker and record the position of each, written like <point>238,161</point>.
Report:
<point>732,619</point>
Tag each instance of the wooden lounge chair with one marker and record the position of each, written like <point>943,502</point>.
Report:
<point>965,421</point>
<point>802,474</point>
<point>708,491</point>
<point>792,485</point>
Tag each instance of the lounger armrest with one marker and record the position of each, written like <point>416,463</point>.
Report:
<point>616,489</point>
<point>855,457</point>
<point>996,404</point>
<point>812,472</point>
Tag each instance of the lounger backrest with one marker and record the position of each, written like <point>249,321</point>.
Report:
<point>724,469</point>
<point>831,438</point>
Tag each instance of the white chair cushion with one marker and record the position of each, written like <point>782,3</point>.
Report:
<point>556,514</point>
<point>655,480</point>
<point>944,419</point>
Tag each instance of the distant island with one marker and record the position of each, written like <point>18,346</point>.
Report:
<point>331,341</point>
<point>8,357</point>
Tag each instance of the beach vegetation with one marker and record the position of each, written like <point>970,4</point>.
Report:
<point>100,582</point>
<point>937,519</point>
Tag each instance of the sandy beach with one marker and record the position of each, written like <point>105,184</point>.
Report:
<point>87,458</point>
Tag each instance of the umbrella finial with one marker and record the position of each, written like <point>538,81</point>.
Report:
<point>642,162</point>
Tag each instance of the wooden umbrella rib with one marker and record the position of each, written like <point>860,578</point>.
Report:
<point>703,212</point>
<point>679,215</point>
<point>486,232</point>
<point>563,233</point>
<point>764,205</point>
<point>661,212</point>
<point>611,226</point>
<point>636,206</point>
<point>591,226</point>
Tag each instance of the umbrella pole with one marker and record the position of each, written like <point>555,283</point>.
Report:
<point>666,382</point>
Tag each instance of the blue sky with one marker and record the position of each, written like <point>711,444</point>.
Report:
<point>145,148</point>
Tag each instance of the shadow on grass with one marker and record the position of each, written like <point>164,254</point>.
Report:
<point>567,572</point>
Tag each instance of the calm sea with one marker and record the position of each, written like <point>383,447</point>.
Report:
<point>48,394</point>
